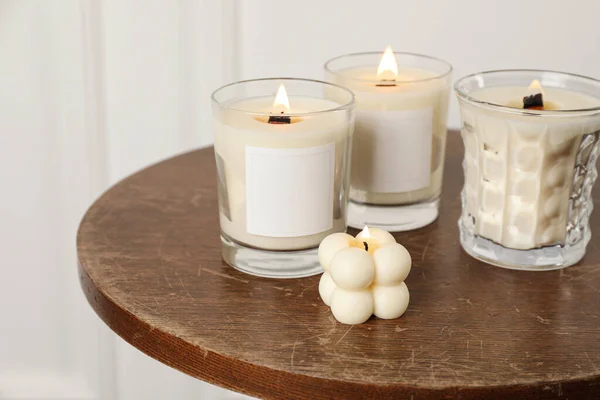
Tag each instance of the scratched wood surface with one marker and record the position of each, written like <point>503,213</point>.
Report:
<point>150,266</point>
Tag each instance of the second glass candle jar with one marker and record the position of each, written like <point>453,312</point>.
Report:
<point>399,139</point>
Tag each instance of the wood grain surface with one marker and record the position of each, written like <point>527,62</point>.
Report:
<point>150,266</point>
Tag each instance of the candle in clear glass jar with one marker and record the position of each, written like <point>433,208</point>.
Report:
<point>283,167</point>
<point>400,136</point>
<point>528,171</point>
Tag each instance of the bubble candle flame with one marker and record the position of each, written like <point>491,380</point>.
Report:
<point>365,233</point>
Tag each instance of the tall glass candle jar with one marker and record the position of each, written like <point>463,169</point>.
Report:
<point>529,172</point>
<point>400,136</point>
<point>282,148</point>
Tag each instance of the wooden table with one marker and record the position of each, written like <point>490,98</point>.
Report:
<point>150,266</point>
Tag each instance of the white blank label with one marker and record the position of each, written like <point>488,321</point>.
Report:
<point>393,150</point>
<point>289,192</point>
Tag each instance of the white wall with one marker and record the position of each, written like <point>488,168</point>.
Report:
<point>281,38</point>
<point>48,175</point>
<point>92,90</point>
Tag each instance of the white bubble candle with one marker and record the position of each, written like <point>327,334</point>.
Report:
<point>364,276</point>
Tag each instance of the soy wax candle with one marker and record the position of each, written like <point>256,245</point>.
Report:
<point>400,136</point>
<point>364,276</point>
<point>282,149</point>
<point>531,143</point>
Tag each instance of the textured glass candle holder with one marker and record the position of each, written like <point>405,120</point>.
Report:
<point>399,140</point>
<point>283,172</point>
<point>526,201</point>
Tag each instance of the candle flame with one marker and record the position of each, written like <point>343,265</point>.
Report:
<point>365,233</point>
<point>388,66</point>
<point>281,99</point>
<point>535,87</point>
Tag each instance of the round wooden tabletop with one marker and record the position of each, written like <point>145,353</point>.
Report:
<point>150,266</point>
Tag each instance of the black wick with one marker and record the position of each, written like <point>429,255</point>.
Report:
<point>279,119</point>
<point>366,246</point>
<point>535,102</point>
<point>387,82</point>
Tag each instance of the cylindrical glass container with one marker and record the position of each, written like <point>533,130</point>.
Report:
<point>399,139</point>
<point>529,172</point>
<point>283,171</point>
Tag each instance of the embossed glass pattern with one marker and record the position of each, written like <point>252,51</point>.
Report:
<point>527,200</point>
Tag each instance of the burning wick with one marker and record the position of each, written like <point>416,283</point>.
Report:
<point>279,119</point>
<point>534,101</point>
<point>367,235</point>
<point>392,83</point>
<point>281,101</point>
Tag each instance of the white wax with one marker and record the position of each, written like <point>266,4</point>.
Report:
<point>373,103</point>
<point>519,169</point>
<point>235,130</point>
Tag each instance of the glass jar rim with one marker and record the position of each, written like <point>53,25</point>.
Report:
<point>341,107</point>
<point>464,95</point>
<point>444,74</point>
